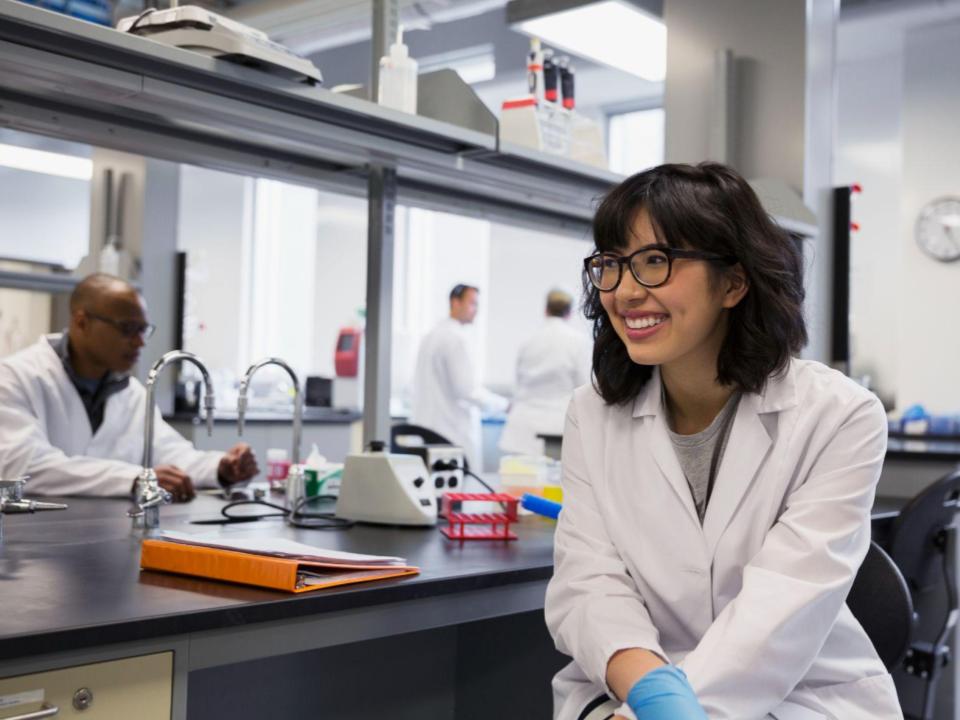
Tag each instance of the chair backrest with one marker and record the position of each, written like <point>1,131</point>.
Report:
<point>917,528</point>
<point>881,602</point>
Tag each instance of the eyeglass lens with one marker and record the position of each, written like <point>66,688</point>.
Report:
<point>650,267</point>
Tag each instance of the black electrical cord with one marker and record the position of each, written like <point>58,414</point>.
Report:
<point>478,479</point>
<point>140,17</point>
<point>297,518</point>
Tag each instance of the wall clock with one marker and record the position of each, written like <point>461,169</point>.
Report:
<point>938,229</point>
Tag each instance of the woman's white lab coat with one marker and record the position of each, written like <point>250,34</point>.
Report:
<point>550,365</point>
<point>45,432</point>
<point>751,604</point>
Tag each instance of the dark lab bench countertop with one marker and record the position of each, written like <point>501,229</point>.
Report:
<point>311,415</point>
<point>924,447</point>
<point>71,579</point>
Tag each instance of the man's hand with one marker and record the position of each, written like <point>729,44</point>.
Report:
<point>176,482</point>
<point>238,464</point>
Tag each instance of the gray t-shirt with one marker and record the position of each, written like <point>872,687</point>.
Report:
<point>700,454</point>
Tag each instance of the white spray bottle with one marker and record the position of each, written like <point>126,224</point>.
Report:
<point>398,78</point>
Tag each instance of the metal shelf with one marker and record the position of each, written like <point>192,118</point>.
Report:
<point>69,78</point>
<point>37,282</point>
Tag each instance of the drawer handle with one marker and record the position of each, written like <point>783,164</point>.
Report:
<point>46,711</point>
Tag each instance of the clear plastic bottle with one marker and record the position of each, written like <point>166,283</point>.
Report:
<point>398,78</point>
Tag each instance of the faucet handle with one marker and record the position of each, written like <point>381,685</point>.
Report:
<point>12,490</point>
<point>148,494</point>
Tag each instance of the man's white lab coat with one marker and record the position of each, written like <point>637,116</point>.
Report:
<point>447,398</point>
<point>750,604</point>
<point>45,432</point>
<point>551,364</point>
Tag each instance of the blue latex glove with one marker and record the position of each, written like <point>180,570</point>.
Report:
<point>665,694</point>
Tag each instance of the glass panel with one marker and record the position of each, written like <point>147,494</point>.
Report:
<point>273,269</point>
<point>38,174</point>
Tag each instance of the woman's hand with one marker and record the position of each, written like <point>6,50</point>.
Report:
<point>665,694</point>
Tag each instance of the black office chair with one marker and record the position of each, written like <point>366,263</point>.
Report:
<point>881,602</point>
<point>922,541</point>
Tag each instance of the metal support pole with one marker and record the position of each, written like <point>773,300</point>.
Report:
<point>382,201</point>
<point>386,19</point>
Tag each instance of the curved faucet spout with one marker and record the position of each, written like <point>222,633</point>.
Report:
<point>208,402</point>
<point>297,405</point>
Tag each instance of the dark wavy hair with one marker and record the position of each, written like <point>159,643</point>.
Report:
<point>705,207</point>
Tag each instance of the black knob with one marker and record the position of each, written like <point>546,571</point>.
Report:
<point>377,446</point>
<point>453,481</point>
<point>453,464</point>
<point>418,482</point>
<point>438,482</point>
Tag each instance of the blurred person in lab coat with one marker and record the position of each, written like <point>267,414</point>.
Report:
<point>71,415</point>
<point>551,364</point>
<point>716,489</point>
<point>447,395</point>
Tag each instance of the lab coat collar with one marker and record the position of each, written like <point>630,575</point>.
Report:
<point>779,394</point>
<point>748,444</point>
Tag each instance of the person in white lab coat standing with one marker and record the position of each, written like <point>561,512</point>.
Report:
<point>71,416</point>
<point>551,364</point>
<point>716,490</point>
<point>447,395</point>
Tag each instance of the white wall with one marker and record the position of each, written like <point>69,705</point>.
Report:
<point>340,276</point>
<point>524,267</point>
<point>211,230</point>
<point>869,133</point>
<point>897,136</point>
<point>928,292</point>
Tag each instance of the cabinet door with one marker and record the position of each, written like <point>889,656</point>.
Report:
<point>137,687</point>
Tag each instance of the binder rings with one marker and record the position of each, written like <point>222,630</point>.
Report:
<point>278,573</point>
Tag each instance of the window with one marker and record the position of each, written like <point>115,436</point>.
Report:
<point>636,140</point>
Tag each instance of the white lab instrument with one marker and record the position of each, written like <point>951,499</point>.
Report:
<point>45,432</point>
<point>386,488</point>
<point>195,28</point>
<point>444,464</point>
<point>750,603</point>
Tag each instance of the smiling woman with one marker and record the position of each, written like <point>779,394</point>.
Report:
<point>717,489</point>
<point>679,220</point>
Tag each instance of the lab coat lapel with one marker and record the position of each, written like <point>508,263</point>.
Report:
<point>747,447</point>
<point>649,408</point>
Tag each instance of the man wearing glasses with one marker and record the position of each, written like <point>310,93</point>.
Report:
<point>71,416</point>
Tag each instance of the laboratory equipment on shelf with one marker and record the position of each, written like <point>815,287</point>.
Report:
<point>295,477</point>
<point>386,488</point>
<point>197,29</point>
<point>12,501</point>
<point>148,496</point>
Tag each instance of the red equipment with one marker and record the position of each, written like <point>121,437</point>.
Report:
<point>346,360</point>
<point>479,526</point>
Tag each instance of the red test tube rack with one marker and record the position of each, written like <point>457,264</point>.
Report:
<point>478,526</point>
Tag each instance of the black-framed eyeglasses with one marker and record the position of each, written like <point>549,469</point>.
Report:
<point>128,328</point>
<point>650,265</point>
